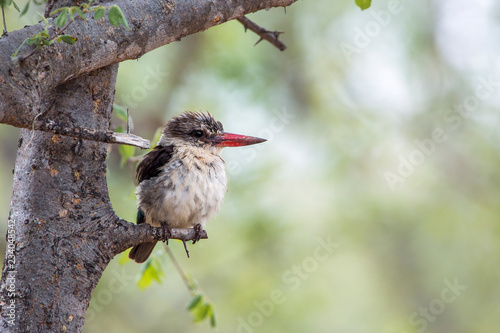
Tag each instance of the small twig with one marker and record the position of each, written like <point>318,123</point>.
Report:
<point>21,59</point>
<point>29,54</point>
<point>4,23</point>
<point>128,121</point>
<point>62,29</point>
<point>179,269</point>
<point>129,139</point>
<point>270,36</point>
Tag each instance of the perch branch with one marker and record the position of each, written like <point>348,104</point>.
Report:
<point>270,36</point>
<point>128,234</point>
<point>185,234</point>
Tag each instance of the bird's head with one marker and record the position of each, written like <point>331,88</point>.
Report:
<point>203,131</point>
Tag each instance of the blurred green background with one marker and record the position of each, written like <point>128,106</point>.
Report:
<point>383,131</point>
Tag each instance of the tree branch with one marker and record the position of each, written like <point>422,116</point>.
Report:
<point>128,234</point>
<point>100,44</point>
<point>270,36</point>
<point>92,135</point>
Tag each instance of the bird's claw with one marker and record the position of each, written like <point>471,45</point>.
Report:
<point>197,236</point>
<point>165,233</point>
<point>197,229</point>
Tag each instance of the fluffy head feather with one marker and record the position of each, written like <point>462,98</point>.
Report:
<point>195,128</point>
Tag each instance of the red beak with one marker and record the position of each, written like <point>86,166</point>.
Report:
<point>235,140</point>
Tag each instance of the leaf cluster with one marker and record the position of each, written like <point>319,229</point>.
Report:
<point>43,38</point>
<point>7,3</point>
<point>66,16</point>
<point>201,308</point>
<point>153,270</point>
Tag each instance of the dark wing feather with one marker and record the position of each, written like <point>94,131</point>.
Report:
<point>153,161</point>
<point>141,218</point>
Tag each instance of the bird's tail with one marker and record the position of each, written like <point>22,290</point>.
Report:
<point>141,252</point>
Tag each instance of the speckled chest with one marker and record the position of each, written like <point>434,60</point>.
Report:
<point>189,190</point>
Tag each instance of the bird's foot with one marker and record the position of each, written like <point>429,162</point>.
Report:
<point>197,229</point>
<point>165,233</point>
<point>197,236</point>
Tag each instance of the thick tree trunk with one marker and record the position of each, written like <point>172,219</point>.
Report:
<point>60,207</point>
<point>62,230</point>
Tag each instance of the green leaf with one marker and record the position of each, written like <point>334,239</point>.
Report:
<point>213,319</point>
<point>62,19</point>
<point>363,4</point>
<point>151,272</point>
<point>57,10</point>
<point>5,3</point>
<point>15,6</point>
<point>201,312</point>
<point>46,42</point>
<point>80,13</point>
<point>71,12</point>
<point>126,152</point>
<point>86,6</point>
<point>116,17</point>
<point>125,23</point>
<point>67,39</point>
<point>99,13</point>
<point>43,19</point>
<point>120,112</point>
<point>194,302</point>
<point>29,41</point>
<point>25,9</point>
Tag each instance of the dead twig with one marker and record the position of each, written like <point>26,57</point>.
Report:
<point>270,36</point>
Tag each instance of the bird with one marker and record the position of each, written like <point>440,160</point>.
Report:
<point>181,182</point>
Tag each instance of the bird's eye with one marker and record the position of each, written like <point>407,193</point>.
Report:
<point>197,133</point>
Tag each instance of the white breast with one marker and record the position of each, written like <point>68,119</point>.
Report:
<point>189,191</point>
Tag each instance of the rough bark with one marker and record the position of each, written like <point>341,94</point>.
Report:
<point>62,230</point>
<point>60,209</point>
